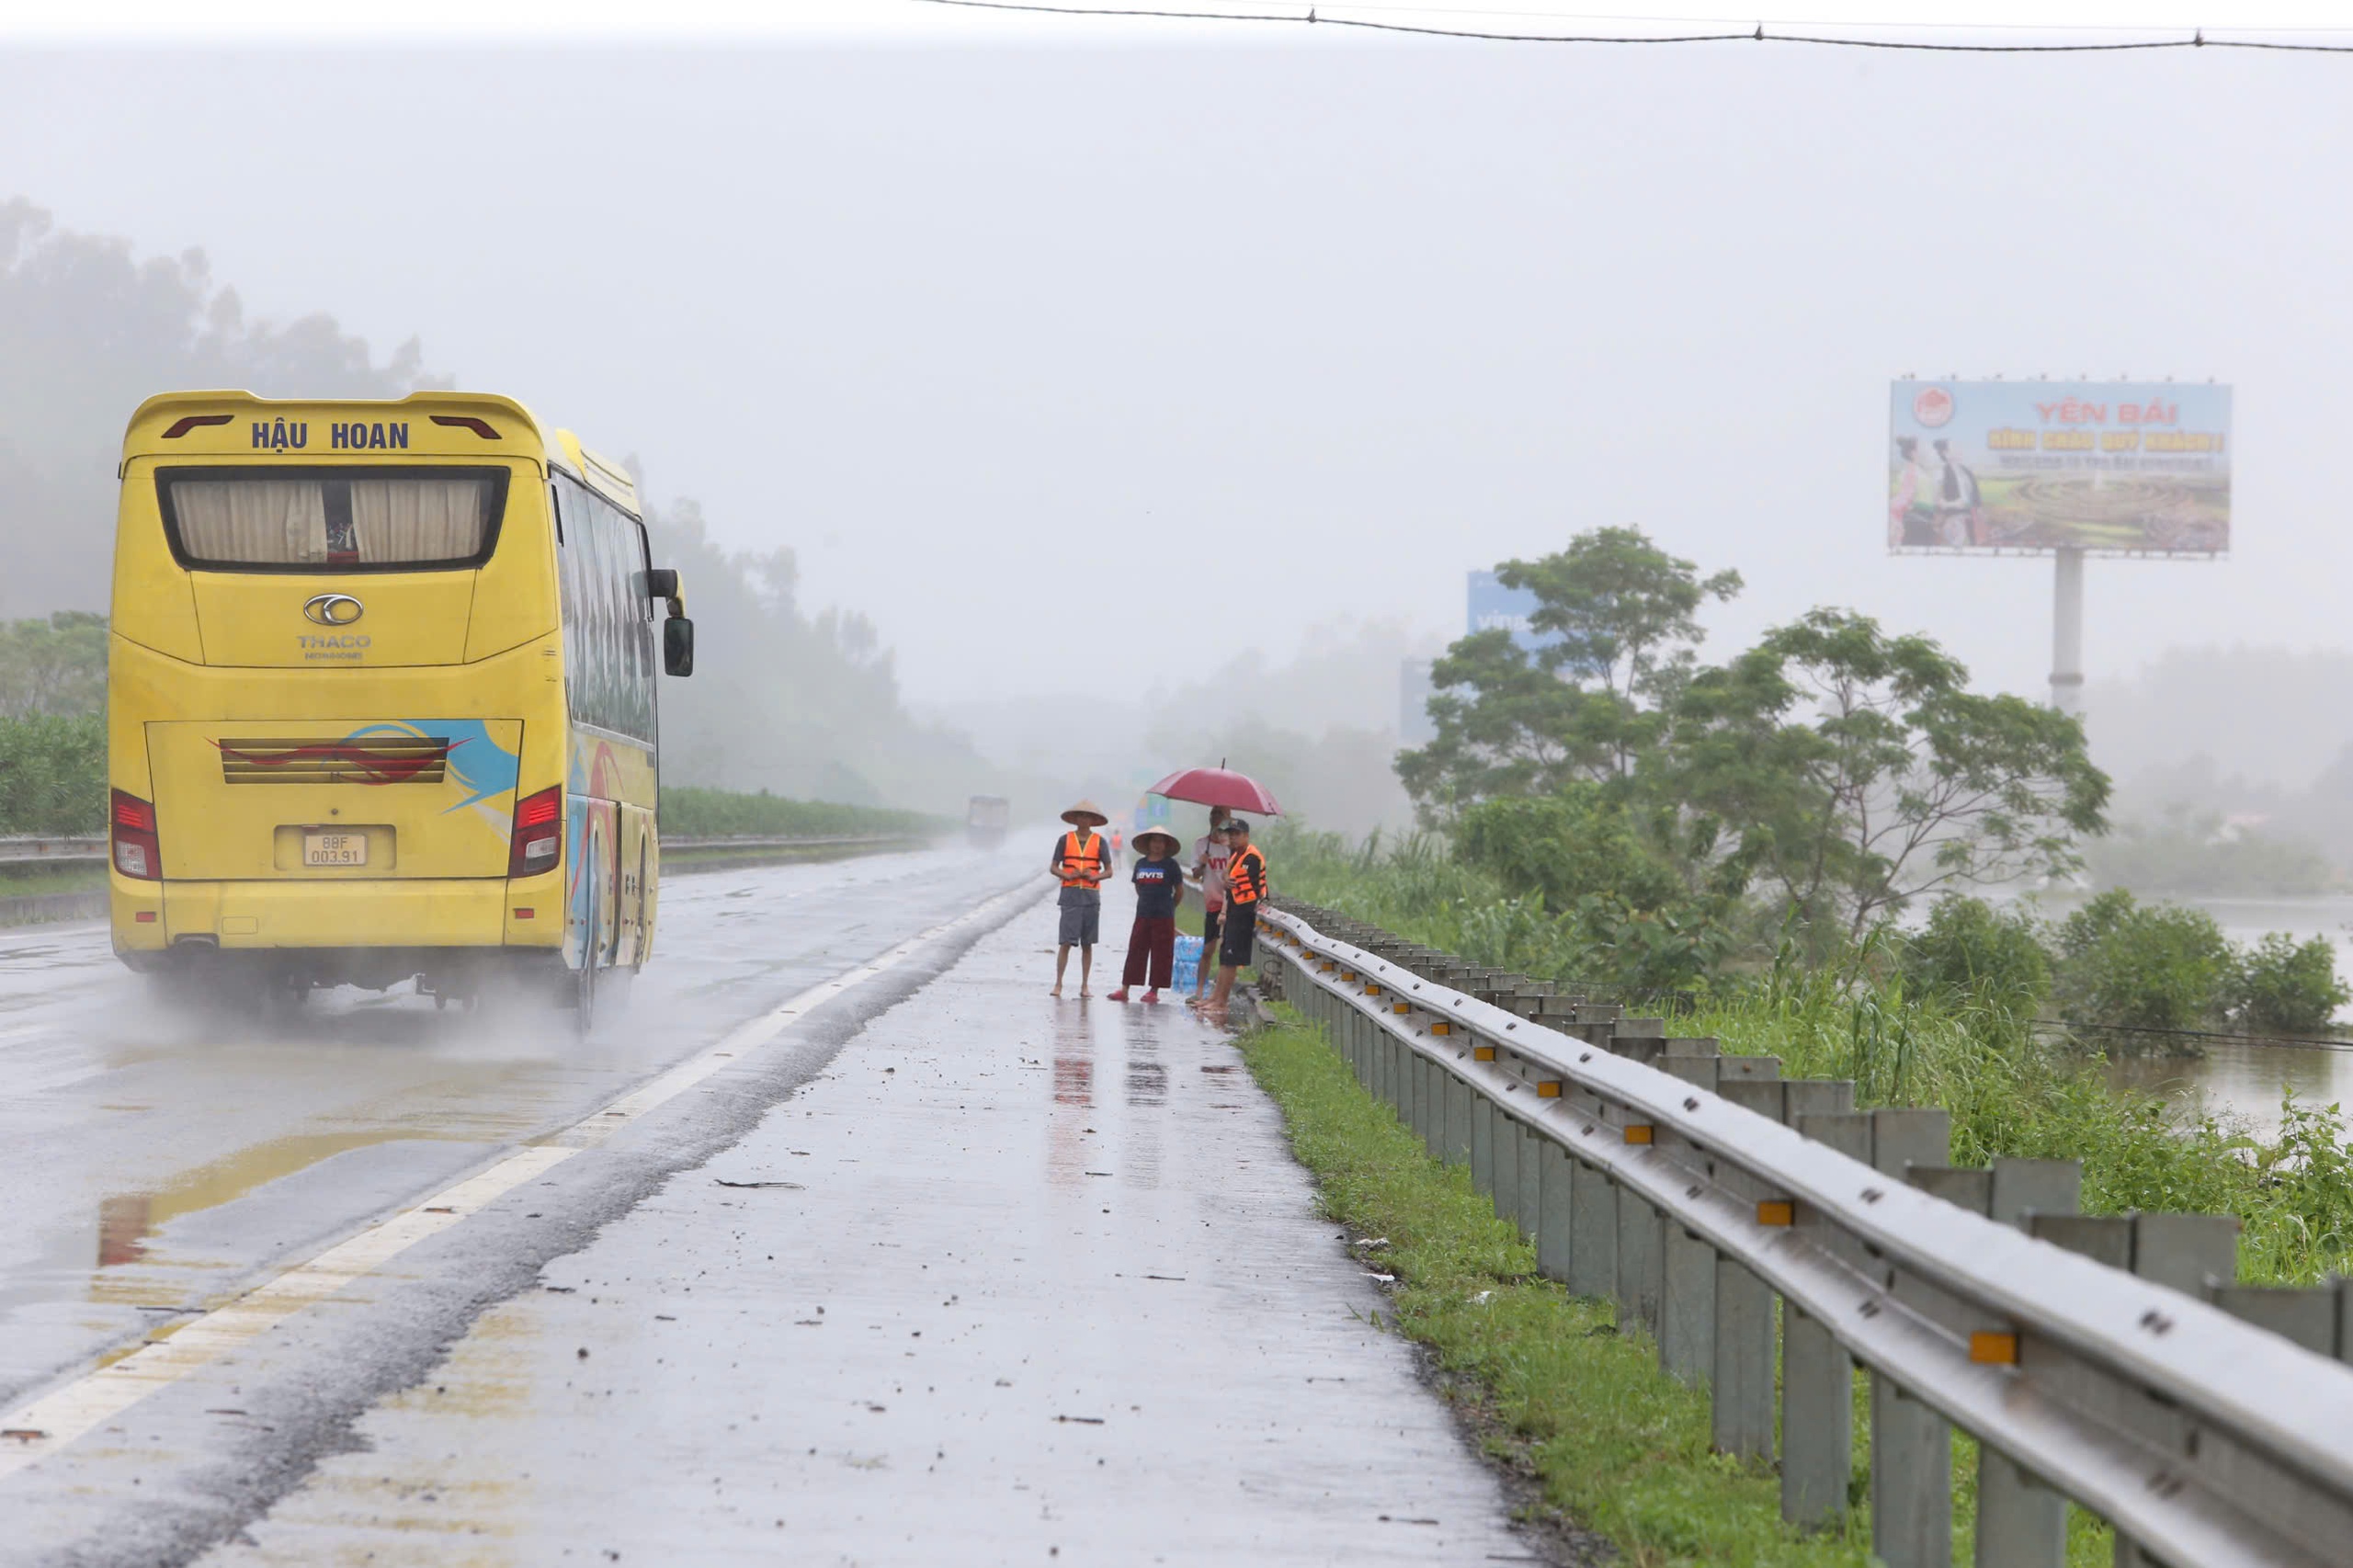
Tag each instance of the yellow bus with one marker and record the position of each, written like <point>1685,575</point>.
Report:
<point>381,699</point>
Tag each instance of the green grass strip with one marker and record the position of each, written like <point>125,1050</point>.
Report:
<point>1616,1444</point>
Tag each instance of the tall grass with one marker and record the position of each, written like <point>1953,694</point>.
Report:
<point>2011,1091</point>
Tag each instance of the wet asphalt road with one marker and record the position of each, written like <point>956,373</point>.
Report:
<point>1042,1285</point>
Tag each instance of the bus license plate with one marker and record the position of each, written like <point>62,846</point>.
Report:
<point>334,849</point>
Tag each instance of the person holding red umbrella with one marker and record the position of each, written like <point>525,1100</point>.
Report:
<point>1209,855</point>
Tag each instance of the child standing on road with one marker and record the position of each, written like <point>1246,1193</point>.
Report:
<point>1160,888</point>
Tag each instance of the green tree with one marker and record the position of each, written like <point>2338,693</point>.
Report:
<point>53,774</point>
<point>1968,947</point>
<point>2156,966</point>
<point>2284,986</point>
<point>1565,846</point>
<point>1587,705</point>
<point>1857,771</point>
<point>57,665</point>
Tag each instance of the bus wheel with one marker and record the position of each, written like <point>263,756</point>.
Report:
<point>584,982</point>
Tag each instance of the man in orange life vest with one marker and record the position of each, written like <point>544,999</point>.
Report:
<point>1081,860</point>
<point>1246,889</point>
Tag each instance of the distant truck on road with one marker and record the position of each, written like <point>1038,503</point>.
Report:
<point>985,820</point>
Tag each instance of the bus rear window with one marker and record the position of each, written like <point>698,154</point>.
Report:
<point>331,519</point>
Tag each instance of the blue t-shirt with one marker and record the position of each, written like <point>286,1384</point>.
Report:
<point>1157,883</point>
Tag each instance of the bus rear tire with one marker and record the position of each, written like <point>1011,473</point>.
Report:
<point>584,980</point>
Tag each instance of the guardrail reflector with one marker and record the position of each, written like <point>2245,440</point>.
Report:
<point>1483,1053</point>
<point>1348,974</point>
<point>1989,1348</point>
<point>1441,1029</point>
<point>1776,1211</point>
<point>1548,1089</point>
<point>1638,1132</point>
<point>1330,967</point>
<point>1401,1006</point>
<point>1373,990</point>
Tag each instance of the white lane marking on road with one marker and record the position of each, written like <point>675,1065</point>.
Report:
<point>48,1424</point>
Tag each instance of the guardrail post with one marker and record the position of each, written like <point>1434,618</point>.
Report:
<point>1409,1086</point>
<point>1555,1235</point>
<point>1458,1119</point>
<point>1687,1335</point>
<point>2186,1252</point>
<point>1911,1479</point>
<point>1434,1081</point>
<point>1817,1421</point>
<point>1593,1230</point>
<point>1483,1146</point>
<point>2020,1522</point>
<point>1911,1444</point>
<point>1506,1158</point>
<point>2025,1187</point>
<point>1640,1264</point>
<point>1531,1144</point>
<point>1740,1414</point>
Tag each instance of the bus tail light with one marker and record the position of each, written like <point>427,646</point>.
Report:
<point>136,853</point>
<point>538,833</point>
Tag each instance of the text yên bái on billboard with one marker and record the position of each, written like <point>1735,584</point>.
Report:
<point>2111,468</point>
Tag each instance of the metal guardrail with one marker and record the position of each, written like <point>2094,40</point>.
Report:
<point>34,849</point>
<point>1696,1188</point>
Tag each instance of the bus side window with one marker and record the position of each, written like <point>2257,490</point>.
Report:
<point>608,652</point>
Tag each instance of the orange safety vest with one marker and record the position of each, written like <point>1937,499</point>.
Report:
<point>1246,876</point>
<point>1087,851</point>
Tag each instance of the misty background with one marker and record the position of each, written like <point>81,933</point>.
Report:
<point>1037,419</point>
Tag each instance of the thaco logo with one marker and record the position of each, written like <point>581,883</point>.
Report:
<point>334,609</point>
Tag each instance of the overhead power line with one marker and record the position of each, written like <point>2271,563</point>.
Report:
<point>1758,34</point>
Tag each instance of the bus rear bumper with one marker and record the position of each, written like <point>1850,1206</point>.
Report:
<point>479,912</point>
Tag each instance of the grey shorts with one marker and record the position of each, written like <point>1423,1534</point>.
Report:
<point>1082,924</point>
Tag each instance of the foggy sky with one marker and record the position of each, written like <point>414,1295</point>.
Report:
<point>1072,367</point>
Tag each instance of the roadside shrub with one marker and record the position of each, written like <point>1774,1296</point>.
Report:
<point>690,812</point>
<point>1567,846</point>
<point>1969,947</point>
<point>2143,966</point>
<point>2284,986</point>
<point>53,774</point>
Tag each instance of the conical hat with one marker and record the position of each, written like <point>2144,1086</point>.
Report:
<point>1086,813</point>
<point>1144,833</point>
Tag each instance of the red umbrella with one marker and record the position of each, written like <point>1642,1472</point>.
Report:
<point>1219,787</point>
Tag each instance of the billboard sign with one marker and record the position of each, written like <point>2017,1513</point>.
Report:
<point>2109,468</point>
<point>1495,607</point>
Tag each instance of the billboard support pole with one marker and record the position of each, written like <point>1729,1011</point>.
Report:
<point>2067,634</point>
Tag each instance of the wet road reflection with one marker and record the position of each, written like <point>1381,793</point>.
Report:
<point>159,1155</point>
<point>1007,1281</point>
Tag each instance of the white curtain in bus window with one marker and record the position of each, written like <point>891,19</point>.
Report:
<point>257,522</point>
<point>419,520</point>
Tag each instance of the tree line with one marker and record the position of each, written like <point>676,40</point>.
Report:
<point>1673,819</point>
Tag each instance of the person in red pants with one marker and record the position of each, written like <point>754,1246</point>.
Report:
<point>1160,888</point>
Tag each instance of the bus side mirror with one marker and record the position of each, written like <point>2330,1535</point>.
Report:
<point>678,646</point>
<point>662,582</point>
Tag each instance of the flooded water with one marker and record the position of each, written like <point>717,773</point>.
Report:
<point>2249,1080</point>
